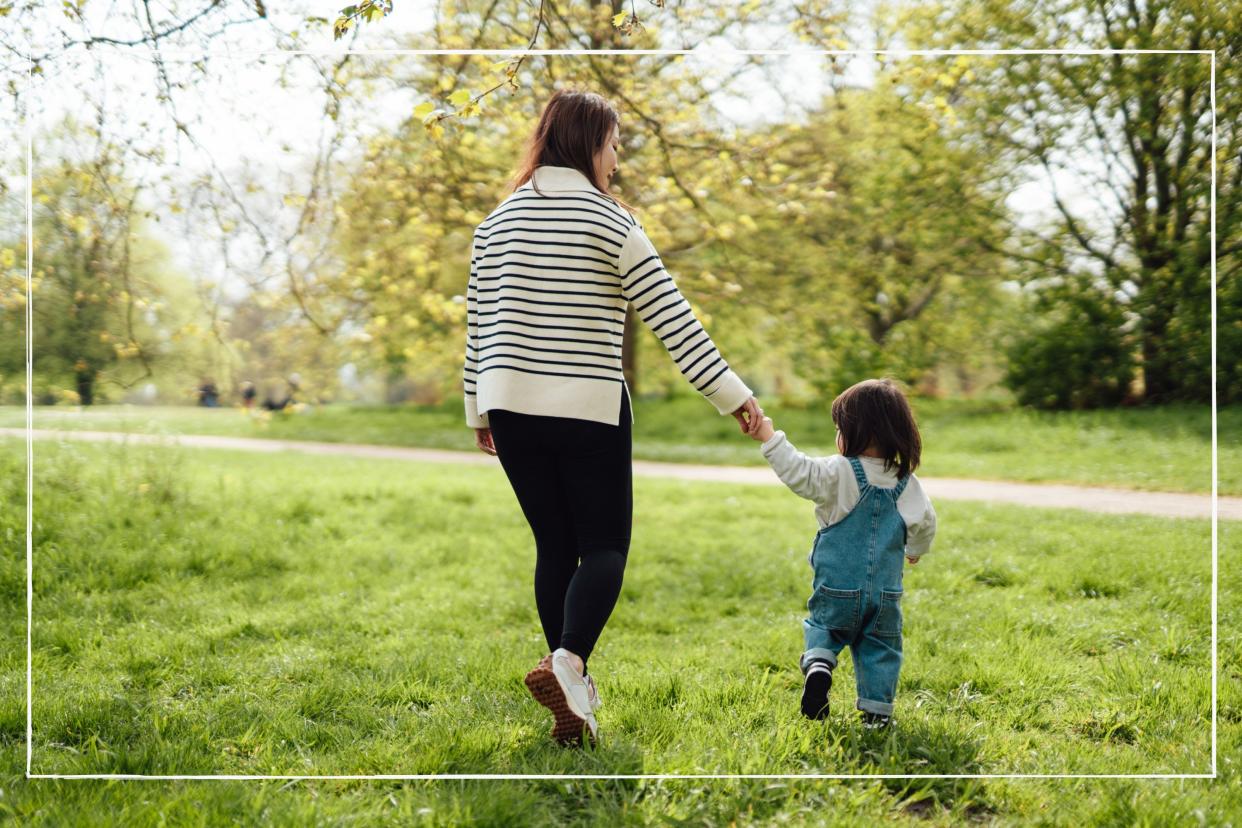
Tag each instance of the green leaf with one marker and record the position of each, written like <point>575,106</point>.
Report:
<point>460,98</point>
<point>618,19</point>
<point>423,110</point>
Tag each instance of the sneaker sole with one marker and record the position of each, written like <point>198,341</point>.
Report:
<point>815,694</point>
<point>570,728</point>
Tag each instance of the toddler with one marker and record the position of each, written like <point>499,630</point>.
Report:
<point>872,511</point>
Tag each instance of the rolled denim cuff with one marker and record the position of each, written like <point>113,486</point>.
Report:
<point>817,653</point>
<point>881,708</point>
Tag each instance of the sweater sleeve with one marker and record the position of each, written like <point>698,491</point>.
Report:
<point>920,532</point>
<point>470,369</point>
<point>651,290</point>
<point>814,478</point>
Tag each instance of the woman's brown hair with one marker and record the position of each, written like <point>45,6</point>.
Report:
<point>573,127</point>
<point>875,414</point>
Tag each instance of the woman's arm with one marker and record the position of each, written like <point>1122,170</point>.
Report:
<point>649,287</point>
<point>469,374</point>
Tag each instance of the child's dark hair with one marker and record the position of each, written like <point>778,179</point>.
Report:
<point>876,412</point>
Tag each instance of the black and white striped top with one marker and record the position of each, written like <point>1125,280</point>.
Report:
<point>551,273</point>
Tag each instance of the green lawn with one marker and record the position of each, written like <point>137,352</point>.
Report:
<point>204,611</point>
<point>1165,448</point>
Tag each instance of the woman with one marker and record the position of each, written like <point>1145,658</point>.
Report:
<point>552,269</point>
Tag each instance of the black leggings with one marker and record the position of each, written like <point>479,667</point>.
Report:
<point>572,479</point>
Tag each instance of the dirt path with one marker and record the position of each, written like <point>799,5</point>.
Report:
<point>1056,496</point>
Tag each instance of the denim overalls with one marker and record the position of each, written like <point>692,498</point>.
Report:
<point>857,592</point>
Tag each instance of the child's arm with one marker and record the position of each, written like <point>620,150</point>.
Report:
<point>811,477</point>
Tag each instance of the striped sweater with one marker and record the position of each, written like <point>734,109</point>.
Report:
<point>550,277</point>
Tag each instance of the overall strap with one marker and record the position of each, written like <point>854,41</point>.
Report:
<point>900,487</point>
<point>859,474</point>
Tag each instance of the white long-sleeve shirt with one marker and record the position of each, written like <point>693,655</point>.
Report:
<point>551,274</point>
<point>830,483</point>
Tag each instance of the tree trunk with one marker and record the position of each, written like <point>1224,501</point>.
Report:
<point>629,350</point>
<point>878,327</point>
<point>86,387</point>
<point>1160,372</point>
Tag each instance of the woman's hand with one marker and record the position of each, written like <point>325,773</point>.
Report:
<point>483,439</point>
<point>749,416</point>
<point>913,559</point>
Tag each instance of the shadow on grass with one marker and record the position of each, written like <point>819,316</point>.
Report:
<point>919,746</point>
<point>615,754</point>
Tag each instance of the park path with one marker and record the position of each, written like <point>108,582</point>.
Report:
<point>1047,495</point>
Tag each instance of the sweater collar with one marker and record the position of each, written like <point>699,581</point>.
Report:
<point>549,177</point>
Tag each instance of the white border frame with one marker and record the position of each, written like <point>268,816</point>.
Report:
<point>552,52</point>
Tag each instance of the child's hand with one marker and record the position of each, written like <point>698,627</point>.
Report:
<point>765,431</point>
<point>912,559</point>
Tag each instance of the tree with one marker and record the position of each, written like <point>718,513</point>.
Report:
<point>419,192</point>
<point>79,46</point>
<point>1133,131</point>
<point>871,235</point>
<point>95,301</point>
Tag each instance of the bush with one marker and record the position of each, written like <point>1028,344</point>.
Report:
<point>1077,354</point>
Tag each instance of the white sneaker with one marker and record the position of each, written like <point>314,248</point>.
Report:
<point>559,687</point>
<point>594,694</point>
<point>578,690</point>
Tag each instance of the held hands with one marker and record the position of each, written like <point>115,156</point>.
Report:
<point>752,422</point>
<point>749,417</point>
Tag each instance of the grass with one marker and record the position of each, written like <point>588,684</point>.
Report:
<point>1160,449</point>
<point>205,611</point>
